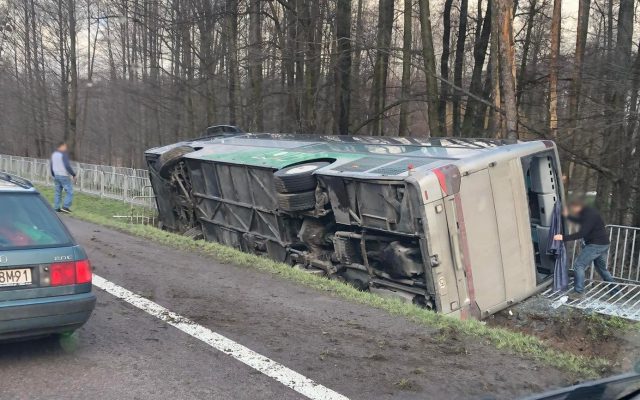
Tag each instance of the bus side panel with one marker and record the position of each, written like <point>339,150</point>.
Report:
<point>510,199</point>
<point>483,240</point>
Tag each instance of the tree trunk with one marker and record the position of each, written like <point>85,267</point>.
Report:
<point>356,101</point>
<point>506,59</point>
<point>495,118</point>
<point>525,52</point>
<point>405,90</point>
<point>622,154</point>
<point>232,54</point>
<point>71,134</point>
<point>381,66</point>
<point>445,90</point>
<point>470,125</point>
<point>631,171</point>
<point>429,58</point>
<point>576,81</point>
<point>62,61</point>
<point>459,66</point>
<point>291,67</point>
<point>343,67</point>
<point>254,60</point>
<point>312,64</point>
<point>553,70</point>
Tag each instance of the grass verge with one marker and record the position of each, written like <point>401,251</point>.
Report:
<point>101,211</point>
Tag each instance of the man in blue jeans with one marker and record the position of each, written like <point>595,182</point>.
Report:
<point>596,243</point>
<point>63,177</point>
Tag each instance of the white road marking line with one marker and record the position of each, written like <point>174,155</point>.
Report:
<point>272,369</point>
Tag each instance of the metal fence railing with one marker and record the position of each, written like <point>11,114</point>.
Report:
<point>127,184</point>
<point>624,253</point>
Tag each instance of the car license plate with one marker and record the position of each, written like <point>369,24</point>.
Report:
<point>15,277</point>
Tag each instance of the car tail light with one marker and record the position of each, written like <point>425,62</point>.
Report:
<point>83,271</point>
<point>70,273</point>
<point>63,273</point>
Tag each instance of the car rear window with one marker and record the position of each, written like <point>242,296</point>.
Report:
<point>27,222</point>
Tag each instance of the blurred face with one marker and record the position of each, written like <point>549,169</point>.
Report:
<point>63,147</point>
<point>575,208</point>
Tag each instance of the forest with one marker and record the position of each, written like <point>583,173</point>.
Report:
<point>115,77</point>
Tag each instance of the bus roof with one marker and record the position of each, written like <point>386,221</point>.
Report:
<point>351,155</point>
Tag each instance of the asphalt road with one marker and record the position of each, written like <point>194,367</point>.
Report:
<point>357,351</point>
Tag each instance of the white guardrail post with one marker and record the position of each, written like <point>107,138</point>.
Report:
<point>101,183</point>
<point>91,177</point>
<point>80,175</point>
<point>125,187</point>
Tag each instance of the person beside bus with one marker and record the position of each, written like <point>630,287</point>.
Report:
<point>595,239</point>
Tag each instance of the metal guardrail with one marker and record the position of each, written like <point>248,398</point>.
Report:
<point>127,184</point>
<point>619,299</point>
<point>624,253</point>
<point>623,260</point>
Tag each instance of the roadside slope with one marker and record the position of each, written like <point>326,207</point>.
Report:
<point>359,351</point>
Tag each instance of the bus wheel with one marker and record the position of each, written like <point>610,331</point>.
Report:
<point>297,178</point>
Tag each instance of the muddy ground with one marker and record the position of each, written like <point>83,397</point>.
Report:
<point>359,351</point>
<point>576,331</point>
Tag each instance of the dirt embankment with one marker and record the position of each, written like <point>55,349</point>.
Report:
<point>576,331</point>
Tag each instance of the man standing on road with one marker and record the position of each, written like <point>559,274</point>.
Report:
<point>595,243</point>
<point>63,176</point>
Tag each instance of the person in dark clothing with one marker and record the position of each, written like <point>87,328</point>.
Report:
<point>595,242</point>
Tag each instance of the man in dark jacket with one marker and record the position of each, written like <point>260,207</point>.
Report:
<point>595,239</point>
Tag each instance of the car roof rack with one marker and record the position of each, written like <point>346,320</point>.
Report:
<point>16,180</point>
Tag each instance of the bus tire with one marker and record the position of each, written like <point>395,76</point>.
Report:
<point>169,159</point>
<point>296,201</point>
<point>297,178</point>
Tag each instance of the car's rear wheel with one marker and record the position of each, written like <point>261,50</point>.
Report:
<point>297,201</point>
<point>170,158</point>
<point>297,178</point>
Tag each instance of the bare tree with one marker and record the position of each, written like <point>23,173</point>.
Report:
<point>116,76</point>
<point>459,66</point>
<point>231,36</point>
<point>71,135</point>
<point>576,81</point>
<point>343,67</point>
<point>444,64</point>
<point>405,90</point>
<point>553,70</point>
<point>254,60</point>
<point>429,59</point>
<point>474,112</point>
<point>381,66</point>
<point>506,61</point>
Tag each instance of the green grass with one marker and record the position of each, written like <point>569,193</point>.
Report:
<point>101,211</point>
<point>601,327</point>
<point>92,205</point>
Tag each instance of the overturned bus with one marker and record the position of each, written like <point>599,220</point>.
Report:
<point>459,226</point>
